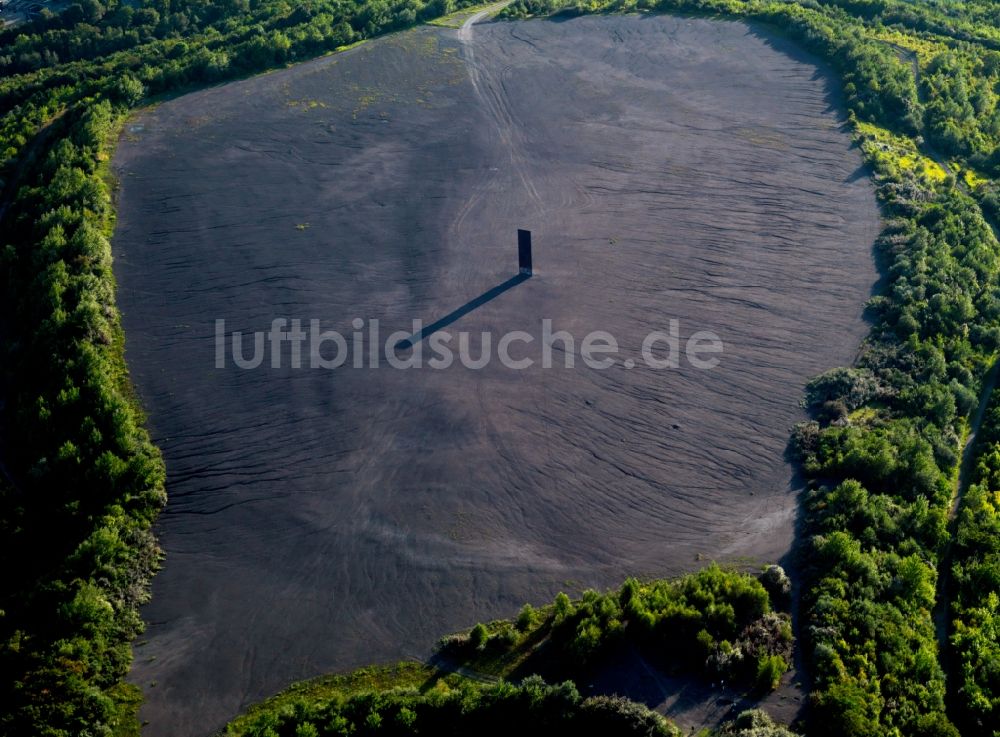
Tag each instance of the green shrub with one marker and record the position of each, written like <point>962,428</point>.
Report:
<point>753,723</point>
<point>770,669</point>
<point>526,618</point>
<point>479,636</point>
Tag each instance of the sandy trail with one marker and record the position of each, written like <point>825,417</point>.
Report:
<point>322,520</point>
<point>465,32</point>
<point>490,92</point>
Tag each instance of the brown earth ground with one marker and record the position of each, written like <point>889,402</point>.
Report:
<point>321,520</point>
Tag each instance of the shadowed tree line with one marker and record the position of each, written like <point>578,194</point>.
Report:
<point>715,624</point>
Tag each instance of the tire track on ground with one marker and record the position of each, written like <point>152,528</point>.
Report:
<point>489,90</point>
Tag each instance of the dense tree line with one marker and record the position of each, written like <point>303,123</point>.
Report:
<point>77,549</point>
<point>86,482</point>
<point>885,446</point>
<point>529,708</point>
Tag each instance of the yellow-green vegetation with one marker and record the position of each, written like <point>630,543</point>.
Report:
<point>864,416</point>
<point>973,179</point>
<point>896,154</point>
<point>926,47</point>
<point>317,691</point>
<point>348,47</point>
<point>456,19</point>
<point>306,104</point>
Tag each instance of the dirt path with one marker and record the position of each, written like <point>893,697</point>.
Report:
<point>491,91</point>
<point>465,32</point>
<point>967,466</point>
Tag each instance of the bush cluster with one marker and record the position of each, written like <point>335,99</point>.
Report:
<point>716,623</point>
<point>529,708</point>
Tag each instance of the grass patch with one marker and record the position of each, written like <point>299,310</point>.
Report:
<point>925,48</point>
<point>373,679</point>
<point>458,18</point>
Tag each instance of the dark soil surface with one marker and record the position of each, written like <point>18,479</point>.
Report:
<point>321,520</point>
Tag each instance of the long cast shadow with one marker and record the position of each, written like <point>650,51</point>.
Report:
<point>463,310</point>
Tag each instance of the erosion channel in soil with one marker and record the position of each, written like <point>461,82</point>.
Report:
<point>320,520</point>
